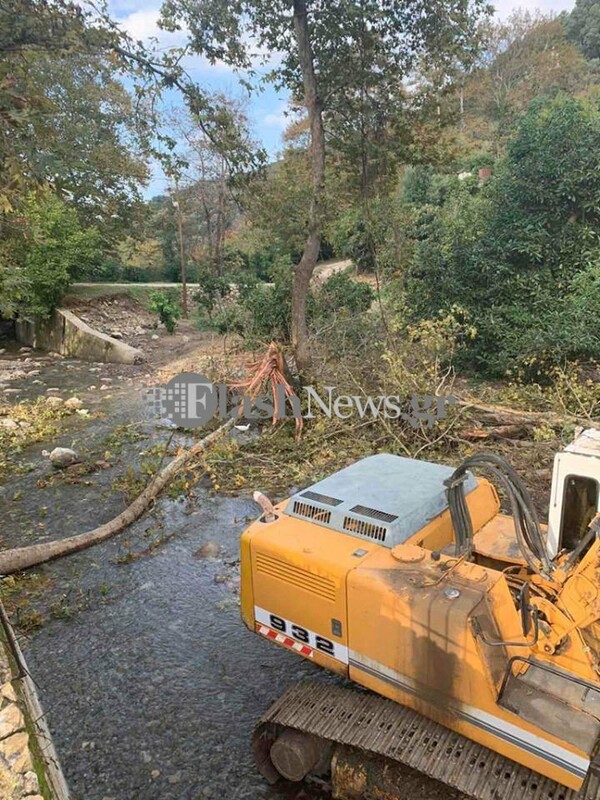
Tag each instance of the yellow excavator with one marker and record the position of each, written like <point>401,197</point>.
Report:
<point>470,637</point>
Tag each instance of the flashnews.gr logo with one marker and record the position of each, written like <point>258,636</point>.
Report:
<point>190,400</point>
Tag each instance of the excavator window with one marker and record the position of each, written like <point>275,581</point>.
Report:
<point>580,505</point>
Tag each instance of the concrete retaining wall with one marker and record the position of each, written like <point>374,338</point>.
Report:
<point>68,335</point>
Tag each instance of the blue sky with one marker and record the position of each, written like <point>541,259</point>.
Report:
<point>266,110</point>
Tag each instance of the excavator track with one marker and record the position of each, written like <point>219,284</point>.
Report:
<point>355,721</point>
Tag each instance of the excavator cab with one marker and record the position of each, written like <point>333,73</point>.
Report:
<point>476,631</point>
<point>575,494</point>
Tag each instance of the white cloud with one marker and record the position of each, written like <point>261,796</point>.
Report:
<point>276,120</point>
<point>504,8</point>
<point>142,25</point>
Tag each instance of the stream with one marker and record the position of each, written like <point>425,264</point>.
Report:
<point>150,682</point>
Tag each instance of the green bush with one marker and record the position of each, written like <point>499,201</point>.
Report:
<point>268,307</point>
<point>211,291</point>
<point>51,250</point>
<point>340,291</point>
<point>167,309</point>
<point>232,318</point>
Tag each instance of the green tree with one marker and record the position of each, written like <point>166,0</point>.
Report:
<point>318,41</point>
<point>48,251</point>
<point>583,27</point>
<point>526,56</point>
<point>41,41</point>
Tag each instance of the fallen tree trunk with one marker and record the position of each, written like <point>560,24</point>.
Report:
<point>505,415</point>
<point>21,558</point>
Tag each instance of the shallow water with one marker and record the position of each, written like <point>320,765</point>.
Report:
<point>150,682</point>
<point>153,692</point>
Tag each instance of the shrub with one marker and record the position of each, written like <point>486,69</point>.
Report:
<point>167,309</point>
<point>211,291</point>
<point>340,291</point>
<point>268,307</point>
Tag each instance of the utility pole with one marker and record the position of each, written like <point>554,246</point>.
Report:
<point>177,206</point>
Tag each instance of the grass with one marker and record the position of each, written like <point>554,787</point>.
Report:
<point>38,421</point>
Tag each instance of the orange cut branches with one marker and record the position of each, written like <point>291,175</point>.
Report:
<point>269,374</point>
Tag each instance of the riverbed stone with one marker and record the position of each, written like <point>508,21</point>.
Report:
<point>62,457</point>
<point>16,751</point>
<point>8,424</point>
<point>73,403</point>
<point>208,550</point>
<point>8,692</point>
<point>11,720</point>
<point>54,402</point>
<point>31,784</point>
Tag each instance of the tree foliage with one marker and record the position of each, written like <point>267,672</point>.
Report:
<point>583,27</point>
<point>525,56</point>
<point>47,250</point>
<point>518,252</point>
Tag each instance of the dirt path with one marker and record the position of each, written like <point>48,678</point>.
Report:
<point>326,269</point>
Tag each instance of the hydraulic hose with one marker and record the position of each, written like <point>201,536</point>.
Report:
<point>527,527</point>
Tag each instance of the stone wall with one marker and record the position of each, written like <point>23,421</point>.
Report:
<point>29,766</point>
<point>70,336</point>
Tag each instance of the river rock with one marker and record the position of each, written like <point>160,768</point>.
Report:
<point>54,402</point>
<point>31,784</point>
<point>9,424</point>
<point>62,457</point>
<point>11,720</point>
<point>73,403</point>
<point>8,692</point>
<point>208,550</point>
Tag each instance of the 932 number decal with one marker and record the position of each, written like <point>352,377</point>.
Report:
<point>302,634</point>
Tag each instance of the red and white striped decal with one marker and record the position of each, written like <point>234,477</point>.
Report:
<point>297,637</point>
<point>281,638</point>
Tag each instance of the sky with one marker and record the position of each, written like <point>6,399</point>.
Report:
<point>266,110</point>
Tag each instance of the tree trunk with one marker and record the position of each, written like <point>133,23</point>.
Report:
<point>306,266</point>
<point>184,297</point>
<point>220,226</point>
